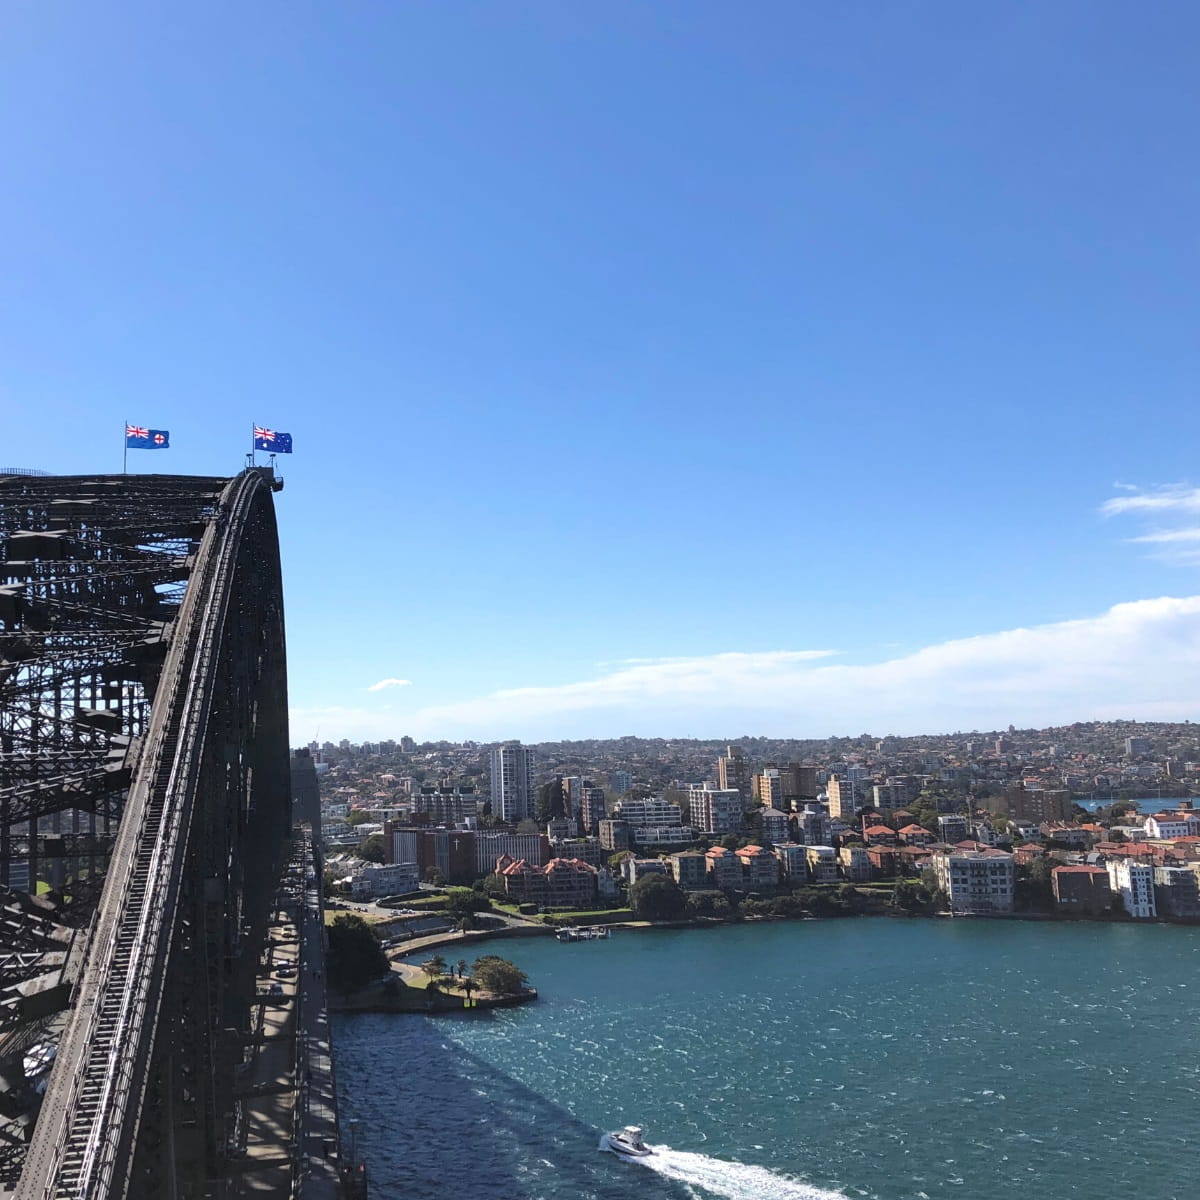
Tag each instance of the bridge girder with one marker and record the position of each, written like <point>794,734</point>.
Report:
<point>144,780</point>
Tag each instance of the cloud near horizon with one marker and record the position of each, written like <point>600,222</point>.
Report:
<point>389,683</point>
<point>1139,659</point>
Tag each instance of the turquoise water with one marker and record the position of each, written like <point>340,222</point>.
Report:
<point>891,1059</point>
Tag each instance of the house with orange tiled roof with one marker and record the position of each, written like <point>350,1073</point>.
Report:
<point>915,835</point>
<point>561,883</point>
<point>880,835</point>
<point>1025,854</point>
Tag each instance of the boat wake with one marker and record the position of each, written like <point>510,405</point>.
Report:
<point>732,1180</point>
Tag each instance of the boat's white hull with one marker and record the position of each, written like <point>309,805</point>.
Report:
<point>621,1149</point>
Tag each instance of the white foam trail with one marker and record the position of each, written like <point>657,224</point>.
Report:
<point>733,1180</point>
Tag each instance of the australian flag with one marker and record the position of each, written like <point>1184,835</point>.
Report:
<point>139,437</point>
<point>272,440</point>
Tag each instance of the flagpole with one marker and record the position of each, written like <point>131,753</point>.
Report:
<point>125,457</point>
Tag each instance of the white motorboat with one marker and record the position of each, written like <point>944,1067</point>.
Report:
<point>626,1142</point>
<point>582,933</point>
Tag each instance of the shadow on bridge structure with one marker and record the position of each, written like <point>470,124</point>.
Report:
<point>144,821</point>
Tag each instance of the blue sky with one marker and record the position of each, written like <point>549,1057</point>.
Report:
<point>668,368</point>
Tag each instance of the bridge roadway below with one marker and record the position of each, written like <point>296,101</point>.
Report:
<point>289,1139</point>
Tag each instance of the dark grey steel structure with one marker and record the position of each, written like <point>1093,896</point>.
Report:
<point>144,778</point>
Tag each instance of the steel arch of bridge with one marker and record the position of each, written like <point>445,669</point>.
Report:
<point>143,782</point>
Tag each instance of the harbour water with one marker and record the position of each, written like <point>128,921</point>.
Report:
<point>890,1059</point>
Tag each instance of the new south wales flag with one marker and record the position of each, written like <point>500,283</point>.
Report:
<point>140,437</point>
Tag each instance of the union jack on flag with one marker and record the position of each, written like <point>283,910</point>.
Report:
<point>272,440</point>
<point>136,431</point>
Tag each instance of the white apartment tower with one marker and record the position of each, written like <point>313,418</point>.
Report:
<point>512,782</point>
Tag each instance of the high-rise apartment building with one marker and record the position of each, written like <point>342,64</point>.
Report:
<point>620,781</point>
<point>767,788</point>
<point>512,782</point>
<point>799,783</point>
<point>733,771</point>
<point>716,810</point>
<point>845,798</point>
<point>591,807</point>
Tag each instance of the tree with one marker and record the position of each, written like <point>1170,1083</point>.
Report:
<point>462,967</point>
<point>527,826</point>
<point>498,975</point>
<point>434,966</point>
<point>615,860</point>
<point>355,955</point>
<point>709,904</point>
<point>657,898</point>
<point>373,848</point>
<point>434,876</point>
<point>463,904</point>
<point>357,816</point>
<point>493,886</point>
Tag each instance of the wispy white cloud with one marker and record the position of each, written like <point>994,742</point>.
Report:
<point>1140,659</point>
<point>1175,497</point>
<point>389,683</point>
<point>1168,536</point>
<point>1174,509</point>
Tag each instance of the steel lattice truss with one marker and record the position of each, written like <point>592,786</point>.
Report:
<point>142,721</point>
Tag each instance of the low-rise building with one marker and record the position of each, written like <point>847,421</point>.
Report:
<point>1081,890</point>
<point>953,827</point>
<point>811,826</point>
<point>822,864</point>
<point>724,868</point>
<point>855,863</point>
<point>690,869</point>
<point>1134,883</point>
<point>1175,892</point>
<point>1074,837</point>
<point>1168,826</point>
<point>633,869</point>
<point>976,882</point>
<point>774,826</point>
<point>586,849</point>
<point>793,861</point>
<point>614,836</point>
<point>760,868</point>
<point>561,883</point>
<point>915,835</point>
<point>662,837</point>
<point>880,835</point>
<point>883,861</point>
<point>391,879</point>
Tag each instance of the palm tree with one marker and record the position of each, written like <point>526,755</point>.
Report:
<point>435,966</point>
<point>468,985</point>
<point>462,967</point>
